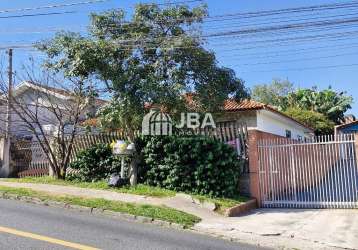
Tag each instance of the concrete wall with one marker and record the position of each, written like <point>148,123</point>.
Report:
<point>267,121</point>
<point>276,124</point>
<point>245,117</point>
<point>254,167</point>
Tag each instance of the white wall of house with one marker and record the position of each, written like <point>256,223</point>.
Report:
<point>271,122</point>
<point>32,96</point>
<point>247,117</point>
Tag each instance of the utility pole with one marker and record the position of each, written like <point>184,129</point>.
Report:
<point>6,169</point>
<point>8,109</point>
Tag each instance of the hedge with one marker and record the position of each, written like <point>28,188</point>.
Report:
<point>193,164</point>
<point>94,163</point>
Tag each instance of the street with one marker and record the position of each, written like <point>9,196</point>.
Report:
<point>30,226</point>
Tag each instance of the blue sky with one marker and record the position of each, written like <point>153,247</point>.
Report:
<point>253,64</point>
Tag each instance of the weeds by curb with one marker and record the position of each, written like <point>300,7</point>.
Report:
<point>142,213</point>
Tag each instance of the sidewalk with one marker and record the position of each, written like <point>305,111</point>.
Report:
<point>276,228</point>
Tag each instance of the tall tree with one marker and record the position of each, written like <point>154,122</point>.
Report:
<point>155,56</point>
<point>317,121</point>
<point>319,109</point>
<point>274,93</point>
<point>328,102</point>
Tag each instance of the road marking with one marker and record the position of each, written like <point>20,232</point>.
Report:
<point>45,238</point>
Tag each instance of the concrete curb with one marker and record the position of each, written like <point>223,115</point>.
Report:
<point>93,210</point>
<point>249,238</point>
<point>241,208</point>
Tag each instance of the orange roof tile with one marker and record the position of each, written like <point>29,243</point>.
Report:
<point>232,105</point>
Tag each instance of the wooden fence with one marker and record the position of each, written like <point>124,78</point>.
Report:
<point>229,132</point>
<point>82,142</point>
<point>30,160</point>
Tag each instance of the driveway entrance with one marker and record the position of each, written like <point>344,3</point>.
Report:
<point>291,228</point>
<point>320,173</point>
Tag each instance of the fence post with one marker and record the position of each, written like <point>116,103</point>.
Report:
<point>133,171</point>
<point>54,149</point>
<point>253,136</point>
<point>355,136</point>
<point>6,168</point>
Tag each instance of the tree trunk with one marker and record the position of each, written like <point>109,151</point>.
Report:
<point>134,171</point>
<point>60,174</point>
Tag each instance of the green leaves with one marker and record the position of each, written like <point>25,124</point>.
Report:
<point>274,93</point>
<point>320,123</point>
<point>95,163</point>
<point>328,102</point>
<point>155,56</point>
<point>190,164</point>
<point>320,110</point>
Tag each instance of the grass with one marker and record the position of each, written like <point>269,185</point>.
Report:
<point>221,203</point>
<point>138,190</point>
<point>155,212</point>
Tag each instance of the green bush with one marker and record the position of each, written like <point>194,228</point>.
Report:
<point>94,163</point>
<point>190,164</point>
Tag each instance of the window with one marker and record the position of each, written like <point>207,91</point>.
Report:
<point>299,138</point>
<point>288,133</point>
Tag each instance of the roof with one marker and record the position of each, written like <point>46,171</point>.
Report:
<point>347,125</point>
<point>231,105</point>
<point>52,89</point>
<point>348,119</point>
<point>24,85</point>
<point>62,93</point>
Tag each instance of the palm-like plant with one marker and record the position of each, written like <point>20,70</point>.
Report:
<point>328,102</point>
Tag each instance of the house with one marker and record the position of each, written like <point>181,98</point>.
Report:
<point>265,118</point>
<point>37,96</point>
<point>256,116</point>
<point>348,128</point>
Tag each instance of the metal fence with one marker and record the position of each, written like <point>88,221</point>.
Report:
<point>320,173</point>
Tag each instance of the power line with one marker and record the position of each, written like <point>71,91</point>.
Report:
<point>39,14</point>
<point>53,6</point>
<point>304,68</point>
<point>280,20</point>
<point>285,27</point>
<point>245,15</point>
<point>174,3</point>
<point>267,54</point>
<point>301,59</point>
<point>264,13</point>
<point>288,29</point>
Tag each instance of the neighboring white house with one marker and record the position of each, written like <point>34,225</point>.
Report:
<point>31,94</point>
<point>258,116</point>
<point>264,118</point>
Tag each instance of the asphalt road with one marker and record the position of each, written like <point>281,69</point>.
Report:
<point>29,226</point>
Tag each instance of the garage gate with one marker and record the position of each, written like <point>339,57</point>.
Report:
<point>319,173</point>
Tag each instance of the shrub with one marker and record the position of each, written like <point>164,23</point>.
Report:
<point>192,164</point>
<point>319,122</point>
<point>95,163</point>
